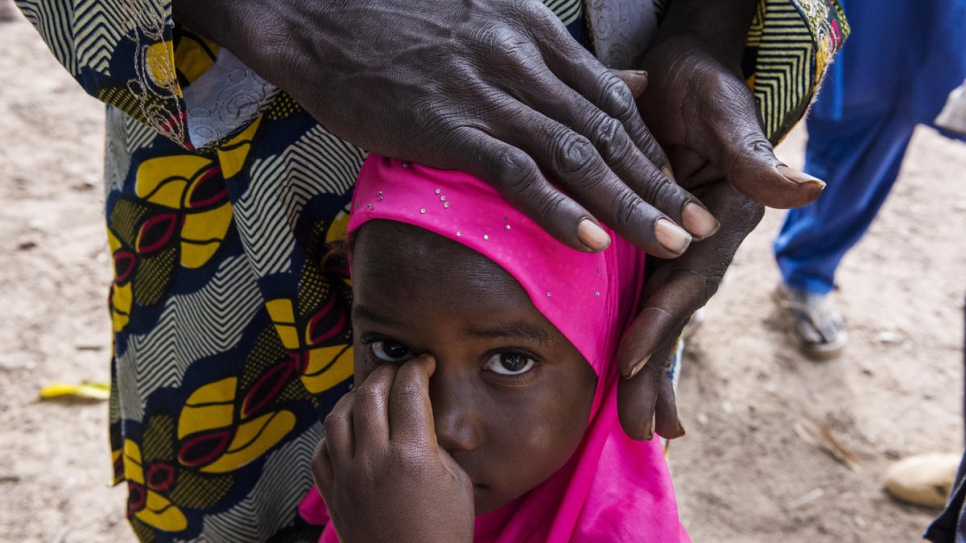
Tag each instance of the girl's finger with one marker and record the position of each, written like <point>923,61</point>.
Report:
<point>322,466</point>
<point>370,410</point>
<point>339,438</point>
<point>410,409</point>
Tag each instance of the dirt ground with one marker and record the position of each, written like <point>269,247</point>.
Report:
<point>744,473</point>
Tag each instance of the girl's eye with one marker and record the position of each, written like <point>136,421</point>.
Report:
<point>509,363</point>
<point>388,350</point>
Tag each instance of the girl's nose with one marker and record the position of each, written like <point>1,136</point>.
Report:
<point>456,414</point>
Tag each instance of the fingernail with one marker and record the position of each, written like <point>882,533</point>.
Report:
<point>698,221</point>
<point>637,367</point>
<point>671,236</point>
<point>799,177</point>
<point>669,173</point>
<point>650,430</point>
<point>592,235</point>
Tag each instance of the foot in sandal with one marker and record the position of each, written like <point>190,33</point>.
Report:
<point>813,321</point>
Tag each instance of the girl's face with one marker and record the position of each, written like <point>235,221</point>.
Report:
<point>511,396</point>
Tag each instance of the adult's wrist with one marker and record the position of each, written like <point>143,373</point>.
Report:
<point>721,25</point>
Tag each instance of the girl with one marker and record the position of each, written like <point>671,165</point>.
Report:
<point>485,378</point>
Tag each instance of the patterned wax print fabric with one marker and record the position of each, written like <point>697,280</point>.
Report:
<point>231,330</point>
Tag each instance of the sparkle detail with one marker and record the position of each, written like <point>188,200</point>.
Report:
<point>458,233</point>
<point>438,191</point>
<point>508,227</point>
<point>486,237</point>
<point>446,204</point>
<point>423,210</point>
<point>443,198</point>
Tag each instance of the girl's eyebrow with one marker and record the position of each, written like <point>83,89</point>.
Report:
<point>363,313</point>
<point>513,330</point>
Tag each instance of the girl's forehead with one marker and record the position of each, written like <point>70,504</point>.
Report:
<point>399,252</point>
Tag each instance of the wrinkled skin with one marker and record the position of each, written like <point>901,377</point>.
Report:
<point>719,153</point>
<point>498,88</point>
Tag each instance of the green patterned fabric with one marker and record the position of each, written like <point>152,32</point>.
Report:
<point>231,329</point>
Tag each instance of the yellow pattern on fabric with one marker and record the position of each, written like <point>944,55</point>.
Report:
<point>175,182</point>
<point>159,59</point>
<point>192,57</point>
<point>282,313</point>
<point>327,367</point>
<point>162,514</point>
<point>202,234</point>
<point>157,510</point>
<point>253,438</point>
<point>211,406</point>
<point>233,153</point>
<point>121,296</point>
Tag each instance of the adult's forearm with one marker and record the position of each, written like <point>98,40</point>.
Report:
<point>222,21</point>
<point>721,24</point>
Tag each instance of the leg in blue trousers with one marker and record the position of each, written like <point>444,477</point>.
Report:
<point>896,70</point>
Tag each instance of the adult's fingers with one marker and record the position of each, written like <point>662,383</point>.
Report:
<point>523,184</point>
<point>645,402</point>
<point>735,142</point>
<point>666,421</point>
<point>757,173</point>
<point>676,289</point>
<point>410,409</point>
<point>636,81</point>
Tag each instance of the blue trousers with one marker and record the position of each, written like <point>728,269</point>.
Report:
<point>895,71</point>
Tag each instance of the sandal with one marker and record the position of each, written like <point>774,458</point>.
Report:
<point>817,327</point>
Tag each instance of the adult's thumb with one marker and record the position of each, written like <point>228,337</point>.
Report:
<point>754,170</point>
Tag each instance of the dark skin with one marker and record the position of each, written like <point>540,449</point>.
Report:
<point>498,88</point>
<point>466,396</point>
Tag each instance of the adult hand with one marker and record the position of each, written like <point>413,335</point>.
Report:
<point>703,113</point>
<point>380,469</point>
<point>497,88</point>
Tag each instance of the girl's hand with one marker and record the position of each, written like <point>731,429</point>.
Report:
<point>380,469</point>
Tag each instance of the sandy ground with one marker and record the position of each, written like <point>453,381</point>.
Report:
<point>744,472</point>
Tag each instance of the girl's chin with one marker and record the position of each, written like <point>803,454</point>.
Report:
<point>488,500</point>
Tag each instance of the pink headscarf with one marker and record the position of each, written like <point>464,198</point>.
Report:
<point>613,489</point>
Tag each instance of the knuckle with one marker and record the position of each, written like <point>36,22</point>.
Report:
<point>404,395</point>
<point>661,193</point>
<point>612,142</point>
<point>614,95</point>
<point>503,45</point>
<point>549,204</point>
<point>627,208</point>
<point>576,155</point>
<point>650,147</point>
<point>514,170</point>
